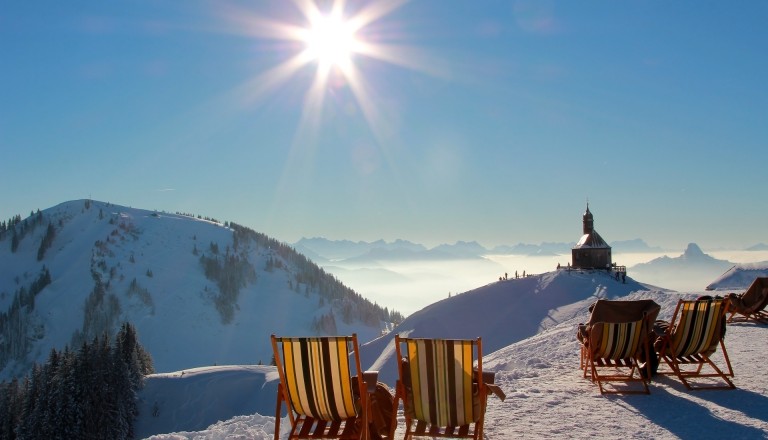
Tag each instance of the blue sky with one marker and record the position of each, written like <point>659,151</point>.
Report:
<point>491,121</point>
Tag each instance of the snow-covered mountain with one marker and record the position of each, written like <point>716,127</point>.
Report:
<point>636,245</point>
<point>528,330</point>
<point>343,249</point>
<point>739,276</point>
<point>198,292</point>
<point>692,256</point>
<point>323,250</point>
<point>677,272</point>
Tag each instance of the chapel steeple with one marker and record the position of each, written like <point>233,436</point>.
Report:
<point>589,221</point>
<point>591,251</point>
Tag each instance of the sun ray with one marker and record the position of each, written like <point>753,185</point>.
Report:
<point>313,104</point>
<point>402,56</point>
<point>331,41</point>
<point>240,21</point>
<point>256,87</point>
<point>363,97</point>
<point>373,12</point>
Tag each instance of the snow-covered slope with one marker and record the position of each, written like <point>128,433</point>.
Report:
<point>501,313</point>
<point>110,264</point>
<point>547,397</point>
<point>739,277</point>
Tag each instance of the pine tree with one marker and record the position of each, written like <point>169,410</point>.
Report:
<point>30,423</point>
<point>65,397</point>
<point>11,398</point>
<point>50,233</point>
<point>87,394</point>
<point>45,414</point>
<point>14,240</point>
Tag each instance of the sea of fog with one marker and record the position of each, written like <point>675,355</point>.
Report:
<point>409,286</point>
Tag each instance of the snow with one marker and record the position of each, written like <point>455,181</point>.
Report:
<point>210,387</point>
<point>179,324</point>
<point>529,325</point>
<point>739,275</point>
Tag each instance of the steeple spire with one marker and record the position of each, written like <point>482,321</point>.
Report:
<point>589,222</point>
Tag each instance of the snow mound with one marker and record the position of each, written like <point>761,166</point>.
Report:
<point>739,277</point>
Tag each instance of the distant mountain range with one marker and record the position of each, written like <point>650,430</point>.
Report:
<point>692,257</point>
<point>324,251</point>
<point>674,272</point>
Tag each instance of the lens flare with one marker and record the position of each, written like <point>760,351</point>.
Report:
<point>331,41</point>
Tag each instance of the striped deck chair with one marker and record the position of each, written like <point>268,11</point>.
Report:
<point>436,384</point>
<point>316,383</point>
<point>611,355</point>
<point>614,345</point>
<point>691,338</point>
<point>750,305</point>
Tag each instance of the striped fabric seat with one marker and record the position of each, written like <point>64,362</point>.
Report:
<point>325,397</point>
<point>616,341</point>
<point>610,355</point>
<point>438,388</point>
<point>318,376</point>
<point>689,341</point>
<point>441,380</point>
<point>615,344</point>
<point>698,328</point>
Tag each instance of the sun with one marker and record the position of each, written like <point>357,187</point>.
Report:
<point>331,41</point>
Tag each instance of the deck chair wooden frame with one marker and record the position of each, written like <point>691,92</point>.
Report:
<point>691,338</point>
<point>612,343</point>
<point>324,399</point>
<point>443,395</point>
<point>751,304</point>
<point>611,355</point>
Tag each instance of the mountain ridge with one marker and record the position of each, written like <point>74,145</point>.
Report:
<point>328,250</point>
<point>183,282</point>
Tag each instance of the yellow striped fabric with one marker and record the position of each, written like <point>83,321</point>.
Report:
<point>617,340</point>
<point>698,328</point>
<point>317,374</point>
<point>441,380</point>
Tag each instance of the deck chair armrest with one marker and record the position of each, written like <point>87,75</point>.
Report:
<point>495,390</point>
<point>582,332</point>
<point>488,376</point>
<point>371,378</point>
<point>489,379</point>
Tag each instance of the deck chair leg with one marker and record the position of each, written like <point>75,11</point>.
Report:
<point>395,405</point>
<point>724,375</point>
<point>277,411</point>
<point>366,429</point>
<point>727,359</point>
<point>478,434</point>
<point>720,372</point>
<point>478,431</point>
